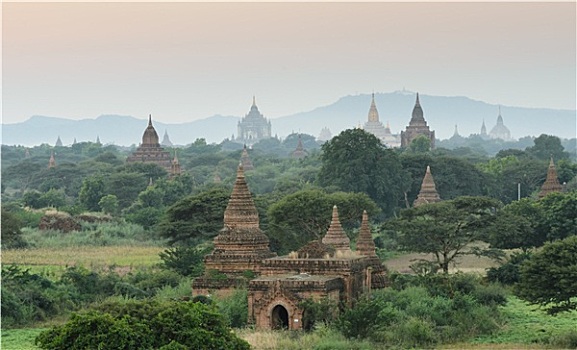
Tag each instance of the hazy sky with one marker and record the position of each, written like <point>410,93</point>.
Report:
<point>185,61</point>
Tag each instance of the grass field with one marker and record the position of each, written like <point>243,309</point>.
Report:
<point>54,260</point>
<point>19,339</point>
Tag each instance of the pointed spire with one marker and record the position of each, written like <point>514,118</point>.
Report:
<point>52,161</point>
<point>365,243</point>
<point>98,140</point>
<point>428,192</point>
<point>241,211</point>
<point>150,120</point>
<point>456,133</point>
<point>245,159</point>
<point>373,112</point>
<point>483,129</point>
<point>336,236</point>
<point>58,142</point>
<point>551,183</point>
<point>417,103</point>
<point>175,166</point>
<point>253,101</point>
<point>417,117</point>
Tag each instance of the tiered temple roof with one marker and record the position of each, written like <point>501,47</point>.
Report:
<point>52,161</point>
<point>551,183</point>
<point>336,236</point>
<point>428,192</point>
<point>253,127</point>
<point>417,126</point>
<point>245,160</point>
<point>175,166</point>
<point>365,243</point>
<point>150,150</point>
<point>58,142</point>
<point>300,151</point>
<point>240,245</point>
<point>166,140</point>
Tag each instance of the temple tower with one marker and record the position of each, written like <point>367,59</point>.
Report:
<point>336,236</point>
<point>58,142</point>
<point>373,124</point>
<point>52,161</point>
<point>300,151</point>
<point>240,246</point>
<point>150,150</point>
<point>166,140</point>
<point>253,127</point>
<point>365,243</point>
<point>175,166</point>
<point>551,183</point>
<point>245,160</point>
<point>500,131</point>
<point>428,192</point>
<point>417,126</point>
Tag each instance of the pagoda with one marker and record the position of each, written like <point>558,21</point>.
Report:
<point>366,247</point>
<point>551,183</point>
<point>500,131</point>
<point>175,167</point>
<point>428,192</point>
<point>253,127</point>
<point>240,246</point>
<point>166,140</point>
<point>373,125</point>
<point>336,236</point>
<point>58,142</point>
<point>300,151</point>
<point>52,161</point>
<point>417,127</point>
<point>150,150</point>
<point>245,160</point>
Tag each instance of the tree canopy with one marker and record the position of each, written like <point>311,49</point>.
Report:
<point>356,161</point>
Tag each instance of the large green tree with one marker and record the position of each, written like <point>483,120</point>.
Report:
<point>446,229</point>
<point>299,218</point>
<point>356,161</point>
<point>195,218</point>
<point>547,146</point>
<point>91,192</point>
<point>549,277</point>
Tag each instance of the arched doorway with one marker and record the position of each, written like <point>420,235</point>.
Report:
<point>280,317</point>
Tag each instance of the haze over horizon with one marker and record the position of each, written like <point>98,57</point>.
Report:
<point>187,61</point>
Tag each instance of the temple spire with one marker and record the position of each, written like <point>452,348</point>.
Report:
<point>52,161</point>
<point>150,120</point>
<point>336,236</point>
<point>253,101</point>
<point>365,243</point>
<point>175,166</point>
<point>241,211</point>
<point>245,159</point>
<point>551,183</point>
<point>428,192</point>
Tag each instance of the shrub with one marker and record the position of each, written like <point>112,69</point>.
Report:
<point>235,308</point>
<point>187,261</point>
<point>508,273</point>
<point>143,324</point>
<point>565,340</point>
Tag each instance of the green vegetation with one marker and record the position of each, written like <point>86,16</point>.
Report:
<point>134,244</point>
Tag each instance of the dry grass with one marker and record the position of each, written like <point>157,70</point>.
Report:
<point>95,257</point>
<point>258,339</point>
<point>468,263</point>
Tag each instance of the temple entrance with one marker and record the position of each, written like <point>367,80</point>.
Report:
<point>280,317</point>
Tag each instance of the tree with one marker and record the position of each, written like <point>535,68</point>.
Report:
<point>144,325</point>
<point>549,277</point>
<point>304,216</point>
<point>518,225</point>
<point>125,186</point>
<point>11,233</point>
<point>356,161</point>
<point>547,146</point>
<point>446,229</point>
<point>559,219</point>
<point>109,204</point>
<point>421,144</point>
<point>195,218</point>
<point>91,191</point>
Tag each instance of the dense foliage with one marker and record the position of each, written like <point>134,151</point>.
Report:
<point>143,325</point>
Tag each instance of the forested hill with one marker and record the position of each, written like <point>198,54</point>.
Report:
<point>442,114</point>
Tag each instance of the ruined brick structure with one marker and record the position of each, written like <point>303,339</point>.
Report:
<point>428,192</point>
<point>320,269</point>
<point>551,183</point>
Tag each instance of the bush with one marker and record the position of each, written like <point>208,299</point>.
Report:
<point>508,273</point>
<point>235,308</point>
<point>187,261</point>
<point>565,340</point>
<point>143,325</point>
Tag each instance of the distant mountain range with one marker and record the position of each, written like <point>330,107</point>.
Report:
<point>441,113</point>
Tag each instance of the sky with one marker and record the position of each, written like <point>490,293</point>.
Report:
<point>184,61</point>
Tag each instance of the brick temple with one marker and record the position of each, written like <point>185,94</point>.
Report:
<point>277,285</point>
